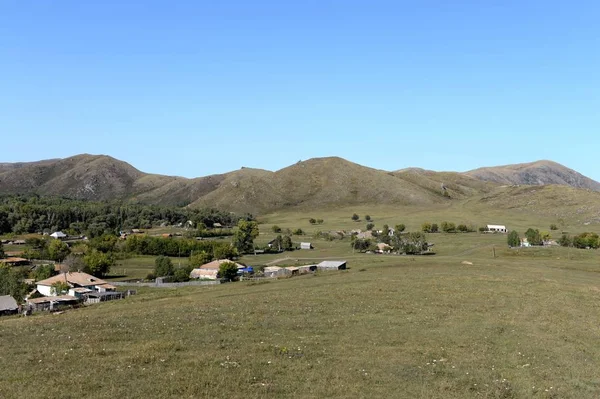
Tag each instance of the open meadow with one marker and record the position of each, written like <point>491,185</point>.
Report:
<point>524,323</point>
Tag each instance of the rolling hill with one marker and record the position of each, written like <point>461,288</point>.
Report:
<point>535,173</point>
<point>315,183</point>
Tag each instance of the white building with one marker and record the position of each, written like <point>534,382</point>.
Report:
<point>332,265</point>
<point>58,235</point>
<point>276,271</point>
<point>496,228</point>
<point>210,271</point>
<point>306,245</point>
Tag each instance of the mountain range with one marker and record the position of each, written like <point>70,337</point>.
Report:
<point>315,183</point>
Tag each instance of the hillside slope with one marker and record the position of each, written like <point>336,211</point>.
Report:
<point>535,173</point>
<point>315,183</point>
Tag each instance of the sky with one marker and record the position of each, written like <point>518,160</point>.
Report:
<point>192,88</point>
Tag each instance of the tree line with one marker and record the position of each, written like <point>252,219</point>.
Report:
<point>22,214</point>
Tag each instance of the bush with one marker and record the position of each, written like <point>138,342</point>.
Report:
<point>355,217</point>
<point>367,218</point>
<point>533,237</point>
<point>312,221</point>
<point>553,227</point>
<point>513,239</point>
<point>370,226</point>
<point>434,228</point>
<point>399,228</point>
<point>462,228</point>
<point>276,229</point>
<point>163,266</point>
<point>320,221</point>
<point>426,227</point>
<point>448,227</point>
<point>298,232</point>
<point>228,271</point>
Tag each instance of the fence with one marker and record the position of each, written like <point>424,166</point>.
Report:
<point>164,285</point>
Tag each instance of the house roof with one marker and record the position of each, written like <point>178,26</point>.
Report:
<point>332,263</point>
<point>197,273</point>
<point>13,260</point>
<point>496,226</point>
<point>7,302</point>
<point>215,264</point>
<point>74,278</point>
<point>81,290</point>
<point>292,268</point>
<point>383,245</point>
<point>107,286</point>
<point>272,268</point>
<point>58,234</point>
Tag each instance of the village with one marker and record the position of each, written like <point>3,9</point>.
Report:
<point>70,288</point>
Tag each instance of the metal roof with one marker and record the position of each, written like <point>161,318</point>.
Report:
<point>7,302</point>
<point>332,263</point>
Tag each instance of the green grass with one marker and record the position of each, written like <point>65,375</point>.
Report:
<point>518,325</point>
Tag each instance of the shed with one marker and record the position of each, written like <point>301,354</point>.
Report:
<point>306,245</point>
<point>8,305</point>
<point>59,235</point>
<point>307,269</point>
<point>14,261</point>
<point>293,270</point>
<point>332,265</point>
<point>276,271</point>
<point>217,225</point>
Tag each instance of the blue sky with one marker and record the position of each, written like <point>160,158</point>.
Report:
<point>193,88</point>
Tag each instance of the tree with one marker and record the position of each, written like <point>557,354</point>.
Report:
<point>98,262</point>
<point>385,234</point>
<point>58,250</point>
<point>414,243</point>
<point>228,271</point>
<point>1,251</point>
<point>286,243</point>
<point>319,221</point>
<point>75,263</point>
<point>182,274</point>
<point>426,227</point>
<point>11,283</point>
<point>448,227</point>
<point>276,229</point>
<point>225,252</point>
<point>355,217</point>
<point>399,228</point>
<point>104,243</point>
<point>370,226</point>
<point>513,239</point>
<point>243,238</point>
<point>43,272</point>
<point>312,221</point>
<point>462,228</point>
<point>565,240</point>
<point>199,258</point>
<point>553,227</point>
<point>367,218</point>
<point>59,288</point>
<point>434,228</point>
<point>163,266</point>
<point>533,237</point>
<point>298,232</point>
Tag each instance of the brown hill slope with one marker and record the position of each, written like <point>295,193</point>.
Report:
<point>535,173</point>
<point>315,183</point>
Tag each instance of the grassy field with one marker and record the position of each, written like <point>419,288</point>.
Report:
<point>522,324</point>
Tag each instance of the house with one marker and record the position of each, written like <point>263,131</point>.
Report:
<point>332,265</point>
<point>14,261</point>
<point>8,305</point>
<point>59,235</point>
<point>496,228</point>
<point>306,245</point>
<point>210,270</point>
<point>217,225</point>
<point>276,271</point>
<point>74,280</point>
<point>524,242</point>
<point>19,242</point>
<point>96,297</point>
